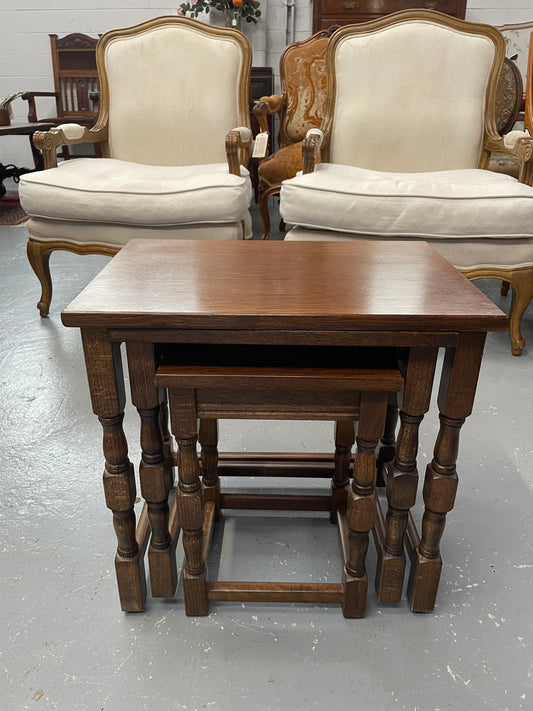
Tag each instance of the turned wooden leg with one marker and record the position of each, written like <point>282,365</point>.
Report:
<point>39,258</point>
<point>208,438</point>
<point>402,477</point>
<point>522,283</point>
<point>190,500</point>
<point>387,445</point>
<point>155,471</point>
<point>456,397</point>
<point>167,441</point>
<point>106,383</point>
<point>344,441</point>
<point>362,501</point>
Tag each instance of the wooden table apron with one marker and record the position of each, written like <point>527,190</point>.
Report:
<point>170,292</point>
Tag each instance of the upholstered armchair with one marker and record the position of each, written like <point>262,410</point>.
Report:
<point>174,136</point>
<point>408,131</point>
<point>299,107</point>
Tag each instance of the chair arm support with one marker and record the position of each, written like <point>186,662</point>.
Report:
<point>67,134</point>
<point>515,143</point>
<point>266,106</point>
<point>238,142</point>
<point>311,149</point>
<point>29,96</point>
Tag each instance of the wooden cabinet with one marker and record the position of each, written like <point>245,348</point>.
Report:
<point>345,12</point>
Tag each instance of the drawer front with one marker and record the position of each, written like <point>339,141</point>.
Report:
<point>340,8</point>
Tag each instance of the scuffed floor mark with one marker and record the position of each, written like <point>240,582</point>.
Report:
<point>456,677</point>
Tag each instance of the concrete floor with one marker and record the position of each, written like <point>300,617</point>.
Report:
<point>66,645</point>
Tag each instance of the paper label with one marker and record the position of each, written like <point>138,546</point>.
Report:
<point>260,145</point>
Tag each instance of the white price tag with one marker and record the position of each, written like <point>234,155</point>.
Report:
<point>260,145</point>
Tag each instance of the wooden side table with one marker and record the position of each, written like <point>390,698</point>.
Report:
<point>398,296</point>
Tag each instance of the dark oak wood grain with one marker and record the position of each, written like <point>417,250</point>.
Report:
<point>250,285</point>
<point>293,326</point>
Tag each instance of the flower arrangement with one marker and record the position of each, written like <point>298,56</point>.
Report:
<point>4,103</point>
<point>5,108</point>
<point>234,10</point>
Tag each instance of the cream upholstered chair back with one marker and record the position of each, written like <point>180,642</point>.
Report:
<point>169,92</point>
<point>391,109</point>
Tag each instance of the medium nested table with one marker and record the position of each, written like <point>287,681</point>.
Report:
<point>392,300</point>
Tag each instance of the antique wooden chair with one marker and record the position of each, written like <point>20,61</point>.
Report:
<point>75,77</point>
<point>402,158</point>
<point>508,105</point>
<point>172,164</point>
<point>299,108</point>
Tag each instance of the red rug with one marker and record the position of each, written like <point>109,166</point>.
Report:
<point>11,213</point>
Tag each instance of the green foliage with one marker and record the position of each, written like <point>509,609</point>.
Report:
<point>4,103</point>
<point>234,10</point>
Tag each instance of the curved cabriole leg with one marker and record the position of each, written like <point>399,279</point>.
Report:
<point>265,193</point>
<point>522,283</point>
<point>39,258</point>
<point>456,397</point>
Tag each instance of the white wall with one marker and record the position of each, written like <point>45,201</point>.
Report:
<point>25,62</point>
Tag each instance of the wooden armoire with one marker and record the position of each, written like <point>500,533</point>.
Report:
<point>345,12</point>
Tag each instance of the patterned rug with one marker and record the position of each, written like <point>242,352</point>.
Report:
<point>11,213</point>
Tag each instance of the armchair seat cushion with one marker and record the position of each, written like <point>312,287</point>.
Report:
<point>467,203</point>
<point>119,192</point>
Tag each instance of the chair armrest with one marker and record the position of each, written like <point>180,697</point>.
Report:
<point>238,142</point>
<point>67,134</point>
<point>311,149</point>
<point>515,143</point>
<point>29,96</point>
<point>266,106</point>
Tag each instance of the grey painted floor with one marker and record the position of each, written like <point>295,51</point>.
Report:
<point>65,644</point>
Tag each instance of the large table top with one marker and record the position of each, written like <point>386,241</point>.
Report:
<point>360,285</point>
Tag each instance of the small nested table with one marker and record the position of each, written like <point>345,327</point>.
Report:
<point>352,322</point>
<point>345,385</point>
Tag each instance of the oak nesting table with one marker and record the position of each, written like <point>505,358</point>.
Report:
<point>330,330</point>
